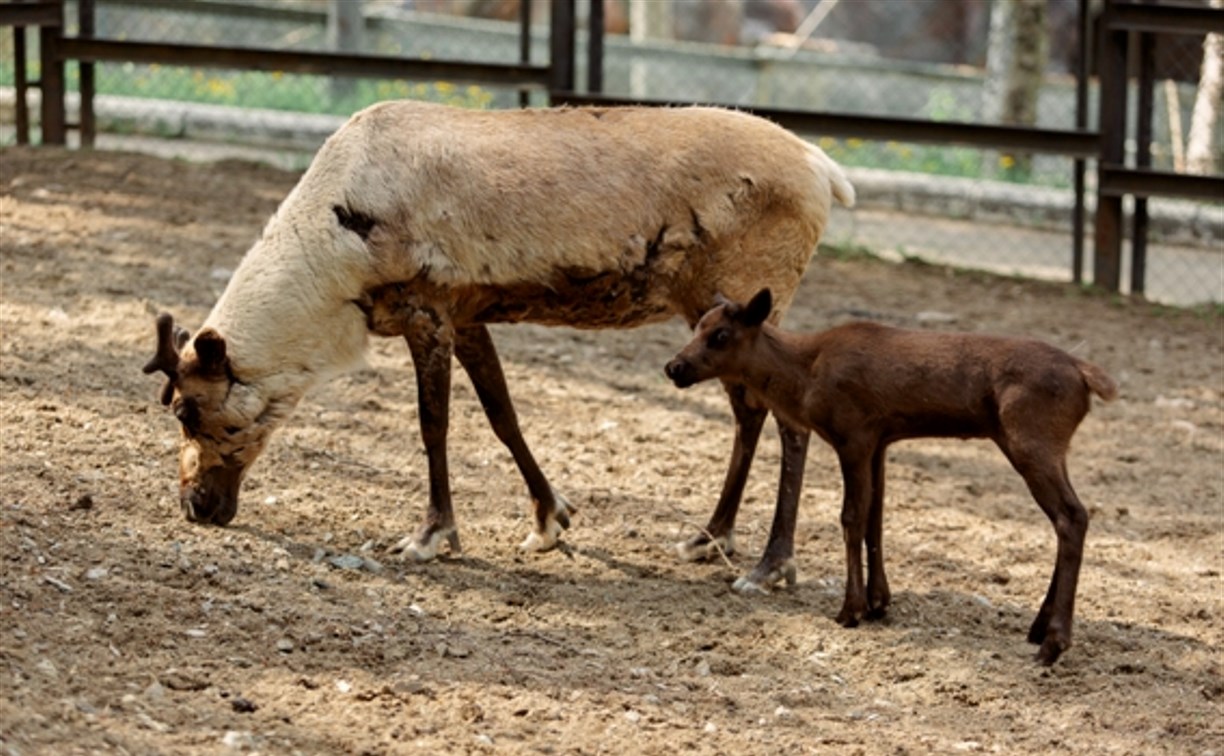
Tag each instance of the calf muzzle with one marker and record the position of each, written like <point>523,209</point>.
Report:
<point>681,373</point>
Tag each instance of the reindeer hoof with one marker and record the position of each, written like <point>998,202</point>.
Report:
<point>558,520</point>
<point>562,510</point>
<point>700,547</point>
<point>425,548</point>
<point>537,542</point>
<point>848,619</point>
<point>747,587</point>
<point>760,580</point>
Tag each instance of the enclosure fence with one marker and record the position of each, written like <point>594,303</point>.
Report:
<point>900,93</point>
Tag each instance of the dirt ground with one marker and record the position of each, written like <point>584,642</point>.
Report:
<point>124,628</point>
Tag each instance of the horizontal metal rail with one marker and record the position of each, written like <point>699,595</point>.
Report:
<point>302,62</point>
<point>30,13</point>
<point>1052,141</point>
<point>1116,181</point>
<point>243,9</point>
<point>1165,19</point>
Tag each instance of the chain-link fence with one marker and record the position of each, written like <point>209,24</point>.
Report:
<point>977,61</point>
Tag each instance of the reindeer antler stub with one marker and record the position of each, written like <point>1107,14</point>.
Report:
<point>169,341</point>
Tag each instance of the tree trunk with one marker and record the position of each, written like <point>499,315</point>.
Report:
<point>1015,68</point>
<point>648,20</point>
<point>1200,149</point>
<point>345,28</point>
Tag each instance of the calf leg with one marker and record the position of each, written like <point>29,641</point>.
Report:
<point>719,533</point>
<point>475,351</point>
<point>431,342</point>
<point>878,596</point>
<point>1042,464</point>
<point>856,510</point>
<point>778,561</point>
<point>1052,490</point>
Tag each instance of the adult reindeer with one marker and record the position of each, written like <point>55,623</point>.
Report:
<point>430,222</point>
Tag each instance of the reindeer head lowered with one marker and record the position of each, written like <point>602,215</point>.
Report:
<point>226,423</point>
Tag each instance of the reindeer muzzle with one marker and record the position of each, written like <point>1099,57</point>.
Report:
<point>213,500</point>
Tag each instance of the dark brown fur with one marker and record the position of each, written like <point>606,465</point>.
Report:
<point>863,386</point>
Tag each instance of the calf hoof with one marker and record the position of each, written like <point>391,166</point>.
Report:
<point>850,615</point>
<point>701,547</point>
<point>759,581</point>
<point>425,547</point>
<point>1039,629</point>
<point>1050,650</point>
<point>558,520</point>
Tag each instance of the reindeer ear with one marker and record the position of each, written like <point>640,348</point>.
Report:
<point>758,309</point>
<point>210,349</point>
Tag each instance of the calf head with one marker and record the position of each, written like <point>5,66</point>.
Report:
<point>225,422</point>
<point>722,341</point>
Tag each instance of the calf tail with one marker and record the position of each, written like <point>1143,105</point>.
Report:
<point>1098,381</point>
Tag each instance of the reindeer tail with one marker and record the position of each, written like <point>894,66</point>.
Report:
<point>1098,381</point>
<point>843,190</point>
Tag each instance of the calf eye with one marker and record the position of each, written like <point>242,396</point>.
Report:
<point>719,338</point>
<point>232,430</point>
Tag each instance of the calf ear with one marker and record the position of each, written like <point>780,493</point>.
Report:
<point>758,309</point>
<point>210,349</point>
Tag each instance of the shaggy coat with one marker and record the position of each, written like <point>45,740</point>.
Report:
<point>429,222</point>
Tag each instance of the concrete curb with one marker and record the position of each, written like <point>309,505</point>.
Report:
<point>1171,221</point>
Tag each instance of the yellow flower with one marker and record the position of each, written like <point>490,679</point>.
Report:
<point>220,88</point>
<point>1007,161</point>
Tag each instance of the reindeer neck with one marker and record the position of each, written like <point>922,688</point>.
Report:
<point>287,314</point>
<point>780,364</point>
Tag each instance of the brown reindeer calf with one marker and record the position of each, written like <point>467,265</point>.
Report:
<point>863,386</point>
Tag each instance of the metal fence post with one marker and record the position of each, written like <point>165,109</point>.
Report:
<point>1107,262</point>
<point>1079,167</point>
<point>51,80</point>
<point>561,46</point>
<point>1143,158</point>
<point>595,47</point>
<point>21,84</point>
<point>87,28</point>
<point>524,46</point>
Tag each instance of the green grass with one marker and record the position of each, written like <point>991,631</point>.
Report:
<point>258,89</point>
<point>960,162</point>
<point>313,94</point>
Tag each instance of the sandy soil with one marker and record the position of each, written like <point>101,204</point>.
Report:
<point>123,628</point>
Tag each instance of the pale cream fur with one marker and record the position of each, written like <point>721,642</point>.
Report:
<point>512,197</point>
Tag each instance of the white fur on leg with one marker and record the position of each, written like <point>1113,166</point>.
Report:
<point>698,550</point>
<point>755,584</point>
<point>558,520</point>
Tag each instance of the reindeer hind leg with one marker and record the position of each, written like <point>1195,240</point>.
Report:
<point>476,353</point>
<point>431,342</point>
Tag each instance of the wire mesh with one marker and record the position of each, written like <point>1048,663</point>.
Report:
<point>928,59</point>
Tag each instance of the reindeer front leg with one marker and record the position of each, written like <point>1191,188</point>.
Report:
<point>475,351</point>
<point>719,534</point>
<point>778,561</point>
<point>431,341</point>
